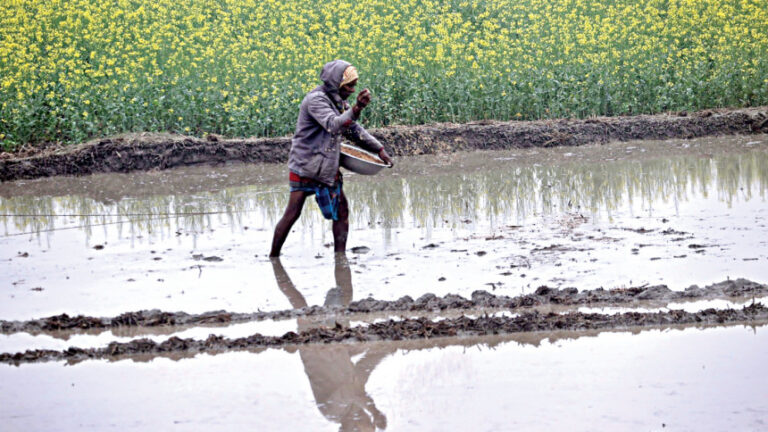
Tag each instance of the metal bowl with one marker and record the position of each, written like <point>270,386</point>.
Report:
<point>358,165</point>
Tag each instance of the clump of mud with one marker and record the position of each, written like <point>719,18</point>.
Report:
<point>543,296</point>
<point>161,151</point>
<point>406,329</point>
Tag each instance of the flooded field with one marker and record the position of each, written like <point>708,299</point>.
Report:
<point>645,219</point>
<point>675,379</point>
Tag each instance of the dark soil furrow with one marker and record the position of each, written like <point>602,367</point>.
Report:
<point>658,294</point>
<point>406,329</point>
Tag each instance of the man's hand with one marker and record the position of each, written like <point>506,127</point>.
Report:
<point>385,157</point>
<point>363,98</point>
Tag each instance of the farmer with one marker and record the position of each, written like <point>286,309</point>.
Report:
<point>324,116</point>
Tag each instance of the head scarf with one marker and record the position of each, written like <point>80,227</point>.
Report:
<point>332,75</point>
<point>350,74</point>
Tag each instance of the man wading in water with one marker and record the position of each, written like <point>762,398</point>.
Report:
<point>313,162</point>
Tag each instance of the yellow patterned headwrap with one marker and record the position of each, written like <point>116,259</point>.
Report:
<point>350,74</point>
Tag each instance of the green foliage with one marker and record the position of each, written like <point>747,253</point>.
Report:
<point>78,69</point>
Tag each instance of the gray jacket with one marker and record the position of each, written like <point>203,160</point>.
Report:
<point>323,119</point>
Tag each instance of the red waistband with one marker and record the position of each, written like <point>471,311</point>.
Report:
<point>292,176</point>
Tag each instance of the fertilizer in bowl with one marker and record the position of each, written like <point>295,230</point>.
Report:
<point>360,161</point>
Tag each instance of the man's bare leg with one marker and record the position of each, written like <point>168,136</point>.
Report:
<point>291,215</point>
<point>341,226</point>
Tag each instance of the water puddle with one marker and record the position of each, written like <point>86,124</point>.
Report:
<point>693,306</point>
<point>676,378</point>
<point>624,214</point>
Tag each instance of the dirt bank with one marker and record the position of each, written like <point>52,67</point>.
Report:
<point>657,295</point>
<point>161,151</point>
<point>419,328</point>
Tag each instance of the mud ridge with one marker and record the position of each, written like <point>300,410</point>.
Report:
<point>134,152</point>
<point>660,294</point>
<point>406,329</point>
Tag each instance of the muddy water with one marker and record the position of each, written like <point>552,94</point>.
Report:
<point>195,240</point>
<point>702,379</point>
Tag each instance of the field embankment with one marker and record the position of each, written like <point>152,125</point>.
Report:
<point>161,151</point>
<point>525,320</point>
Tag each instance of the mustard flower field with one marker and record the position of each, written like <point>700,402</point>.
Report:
<point>71,70</point>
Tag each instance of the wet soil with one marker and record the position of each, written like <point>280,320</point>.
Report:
<point>656,295</point>
<point>419,328</point>
<point>136,152</point>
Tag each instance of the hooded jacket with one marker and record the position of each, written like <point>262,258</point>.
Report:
<point>323,119</point>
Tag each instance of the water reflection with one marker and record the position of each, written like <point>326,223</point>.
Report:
<point>338,382</point>
<point>502,191</point>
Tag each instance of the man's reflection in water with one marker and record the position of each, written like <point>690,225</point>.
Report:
<point>337,382</point>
